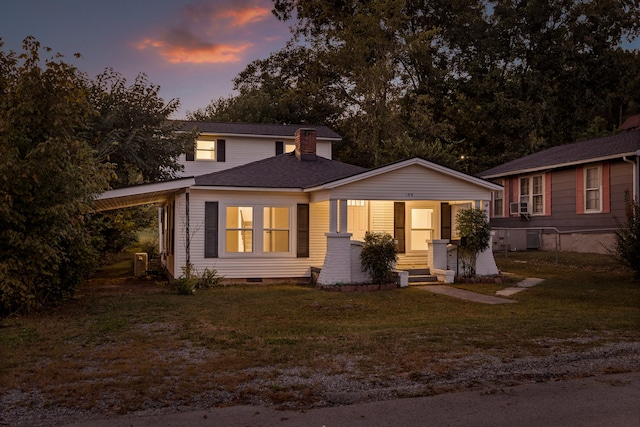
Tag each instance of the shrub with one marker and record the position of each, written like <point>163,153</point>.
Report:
<point>475,233</point>
<point>190,280</point>
<point>379,255</point>
<point>626,249</point>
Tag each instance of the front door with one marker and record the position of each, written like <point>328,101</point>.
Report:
<point>421,228</point>
<point>357,219</point>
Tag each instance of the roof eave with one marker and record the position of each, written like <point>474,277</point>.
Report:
<point>261,189</point>
<point>560,165</point>
<point>255,135</point>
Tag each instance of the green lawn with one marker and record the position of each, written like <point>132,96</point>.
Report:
<point>153,343</point>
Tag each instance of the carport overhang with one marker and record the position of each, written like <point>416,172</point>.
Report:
<point>142,194</point>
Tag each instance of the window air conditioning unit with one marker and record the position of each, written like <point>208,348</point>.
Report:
<point>519,208</point>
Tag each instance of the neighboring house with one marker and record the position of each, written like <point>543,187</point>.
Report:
<point>568,197</point>
<point>283,215</point>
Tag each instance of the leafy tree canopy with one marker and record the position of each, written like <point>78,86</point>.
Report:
<point>48,177</point>
<point>132,131</point>
<point>487,80</point>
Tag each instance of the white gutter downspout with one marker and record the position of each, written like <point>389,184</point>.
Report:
<point>636,176</point>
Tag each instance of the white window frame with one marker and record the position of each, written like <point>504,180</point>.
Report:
<point>240,228</point>
<point>258,231</point>
<point>266,229</point>
<point>498,213</point>
<point>212,152</point>
<point>530,196</point>
<point>586,189</point>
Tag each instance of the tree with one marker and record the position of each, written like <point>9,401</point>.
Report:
<point>132,131</point>
<point>48,178</point>
<point>487,80</point>
<point>475,233</point>
<point>133,134</point>
<point>291,86</point>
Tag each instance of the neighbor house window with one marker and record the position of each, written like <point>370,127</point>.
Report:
<point>239,229</point>
<point>205,150</point>
<point>592,189</point>
<point>275,229</point>
<point>498,202</point>
<point>288,148</point>
<point>532,193</point>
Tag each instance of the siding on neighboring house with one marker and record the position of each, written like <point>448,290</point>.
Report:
<point>243,150</point>
<point>565,213</point>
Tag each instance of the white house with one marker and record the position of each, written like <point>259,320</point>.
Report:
<point>280,216</point>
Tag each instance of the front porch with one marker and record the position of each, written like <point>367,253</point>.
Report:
<point>423,230</point>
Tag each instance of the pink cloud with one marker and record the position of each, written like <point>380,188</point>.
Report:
<point>211,33</point>
<point>201,54</point>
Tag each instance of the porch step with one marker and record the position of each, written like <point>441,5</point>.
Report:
<point>420,276</point>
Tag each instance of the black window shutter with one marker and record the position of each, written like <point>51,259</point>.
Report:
<point>279,147</point>
<point>190,156</point>
<point>221,148</point>
<point>445,221</point>
<point>211,230</point>
<point>303,231</point>
<point>399,225</point>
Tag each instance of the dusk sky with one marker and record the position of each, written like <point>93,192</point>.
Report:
<point>192,49</point>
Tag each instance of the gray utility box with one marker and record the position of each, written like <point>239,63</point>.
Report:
<point>140,264</point>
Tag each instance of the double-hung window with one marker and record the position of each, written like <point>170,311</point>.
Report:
<point>258,229</point>
<point>592,189</point>
<point>532,193</point>
<point>205,150</point>
<point>239,230</point>
<point>498,201</point>
<point>276,229</point>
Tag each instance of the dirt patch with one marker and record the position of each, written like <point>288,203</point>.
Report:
<point>122,286</point>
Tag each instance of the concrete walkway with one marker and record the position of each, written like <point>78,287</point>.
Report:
<point>481,298</point>
<point>466,295</point>
<point>521,286</point>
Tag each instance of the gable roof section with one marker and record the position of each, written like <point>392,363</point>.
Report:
<point>283,171</point>
<point>593,150</point>
<point>258,129</point>
<point>403,164</point>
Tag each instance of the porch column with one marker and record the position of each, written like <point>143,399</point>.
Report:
<point>343,216</point>
<point>333,216</point>
<point>337,261</point>
<point>437,254</point>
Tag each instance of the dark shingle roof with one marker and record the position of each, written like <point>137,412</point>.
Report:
<point>626,143</point>
<point>283,171</point>
<point>261,129</point>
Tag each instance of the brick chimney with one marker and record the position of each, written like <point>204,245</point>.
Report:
<point>306,144</point>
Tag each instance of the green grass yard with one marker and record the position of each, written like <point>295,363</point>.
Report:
<point>138,341</point>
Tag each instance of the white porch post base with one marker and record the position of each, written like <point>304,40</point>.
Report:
<point>437,254</point>
<point>337,261</point>
<point>486,264</point>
